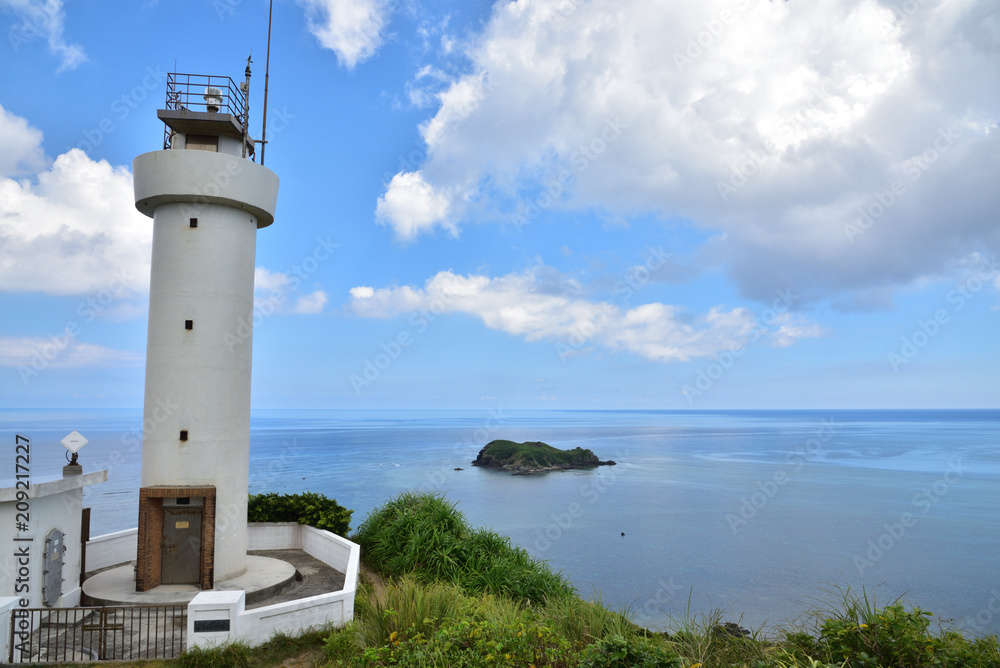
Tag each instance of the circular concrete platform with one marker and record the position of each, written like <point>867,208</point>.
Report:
<point>264,578</point>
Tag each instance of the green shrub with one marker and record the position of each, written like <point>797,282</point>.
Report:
<point>306,508</point>
<point>427,536</point>
<point>620,652</point>
<point>857,633</point>
<point>475,643</point>
<point>889,638</point>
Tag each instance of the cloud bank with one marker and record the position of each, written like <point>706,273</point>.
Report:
<point>533,306</point>
<point>840,146</point>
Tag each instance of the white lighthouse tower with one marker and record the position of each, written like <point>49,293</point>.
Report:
<point>207,198</point>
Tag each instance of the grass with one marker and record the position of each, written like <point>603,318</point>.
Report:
<point>455,601</point>
<point>426,536</point>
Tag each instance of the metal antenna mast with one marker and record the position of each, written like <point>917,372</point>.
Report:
<point>267,69</point>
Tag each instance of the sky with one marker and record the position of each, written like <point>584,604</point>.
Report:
<point>593,204</point>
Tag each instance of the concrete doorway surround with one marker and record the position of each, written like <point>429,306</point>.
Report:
<point>176,538</point>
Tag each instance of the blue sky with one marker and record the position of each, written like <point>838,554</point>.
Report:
<point>532,204</point>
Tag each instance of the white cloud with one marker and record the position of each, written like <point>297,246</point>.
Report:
<point>61,351</point>
<point>273,290</point>
<point>311,303</point>
<point>71,229</point>
<point>265,280</point>
<point>411,206</point>
<point>22,146</point>
<point>526,305</point>
<point>767,124</point>
<point>353,29</point>
<point>44,18</point>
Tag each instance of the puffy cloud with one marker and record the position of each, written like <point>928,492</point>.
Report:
<point>411,206</point>
<point>22,144</point>
<point>73,229</point>
<point>311,303</point>
<point>272,290</point>
<point>44,18</point>
<point>529,305</point>
<point>352,29</point>
<point>837,146</point>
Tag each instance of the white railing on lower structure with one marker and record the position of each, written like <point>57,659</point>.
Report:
<point>215,617</point>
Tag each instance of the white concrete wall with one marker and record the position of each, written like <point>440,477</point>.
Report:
<point>51,504</point>
<point>111,549</point>
<point>255,627</point>
<point>329,548</point>
<point>7,604</point>
<point>201,177</point>
<point>274,536</point>
<point>199,380</point>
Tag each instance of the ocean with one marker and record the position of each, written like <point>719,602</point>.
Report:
<point>760,514</point>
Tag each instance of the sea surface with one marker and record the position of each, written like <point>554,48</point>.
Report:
<point>763,515</point>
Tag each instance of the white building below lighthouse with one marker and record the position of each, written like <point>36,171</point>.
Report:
<point>207,199</point>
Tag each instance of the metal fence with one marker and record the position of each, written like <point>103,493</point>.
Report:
<point>207,93</point>
<point>67,635</point>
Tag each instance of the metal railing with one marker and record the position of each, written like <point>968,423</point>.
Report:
<point>204,92</point>
<point>76,635</point>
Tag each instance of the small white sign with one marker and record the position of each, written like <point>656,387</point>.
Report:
<point>74,441</point>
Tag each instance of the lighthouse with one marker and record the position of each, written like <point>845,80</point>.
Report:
<point>207,198</point>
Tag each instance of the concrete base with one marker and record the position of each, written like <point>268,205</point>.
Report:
<point>265,577</point>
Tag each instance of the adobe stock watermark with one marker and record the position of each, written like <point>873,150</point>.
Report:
<point>413,160</point>
<point>708,37</point>
<point>979,623</point>
<point>264,308</point>
<point>467,448</point>
<point>913,170</point>
<point>767,489</point>
<point>665,593</point>
<point>121,108</point>
<point>708,375</point>
<point>754,160</point>
<point>634,279</point>
<point>38,23</point>
<point>160,410</point>
<point>49,352</point>
<point>590,491</point>
<point>580,161</point>
<point>923,501</point>
<point>373,367</point>
<point>926,330</point>
<point>902,11</point>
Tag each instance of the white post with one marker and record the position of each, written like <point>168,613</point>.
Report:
<point>213,618</point>
<point>7,604</point>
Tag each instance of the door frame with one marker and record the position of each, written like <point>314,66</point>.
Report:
<point>150,539</point>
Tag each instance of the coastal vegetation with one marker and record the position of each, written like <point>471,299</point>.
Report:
<point>439,593</point>
<point>425,536</point>
<point>534,457</point>
<point>310,508</point>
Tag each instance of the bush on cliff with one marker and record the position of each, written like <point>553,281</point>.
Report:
<point>306,508</point>
<point>427,536</point>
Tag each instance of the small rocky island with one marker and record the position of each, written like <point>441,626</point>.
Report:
<point>534,457</point>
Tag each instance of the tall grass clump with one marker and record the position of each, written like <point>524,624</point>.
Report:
<point>425,535</point>
<point>416,624</point>
<point>855,632</point>
<point>586,621</point>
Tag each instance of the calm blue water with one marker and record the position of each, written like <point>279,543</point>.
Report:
<point>753,512</point>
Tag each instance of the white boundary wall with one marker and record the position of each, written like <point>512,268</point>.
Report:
<point>255,627</point>
<point>111,549</point>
